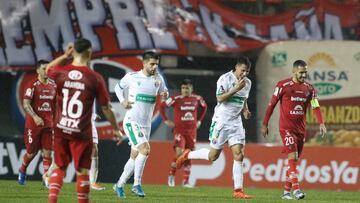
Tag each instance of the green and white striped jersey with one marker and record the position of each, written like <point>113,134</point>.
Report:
<point>142,91</point>
<point>229,112</point>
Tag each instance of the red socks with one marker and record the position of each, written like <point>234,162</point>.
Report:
<point>293,174</point>
<point>187,167</point>
<point>55,184</point>
<point>288,183</point>
<point>25,163</point>
<point>83,188</point>
<point>46,163</point>
<point>173,167</point>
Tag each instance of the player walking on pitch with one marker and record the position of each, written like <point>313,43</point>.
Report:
<point>232,93</point>
<point>38,103</point>
<point>295,95</point>
<point>185,125</point>
<point>143,87</point>
<point>77,88</point>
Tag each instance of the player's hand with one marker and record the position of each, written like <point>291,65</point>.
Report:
<point>264,130</point>
<point>169,123</point>
<point>97,117</point>
<point>198,124</point>
<point>127,104</point>
<point>323,130</point>
<point>247,114</point>
<point>117,136</point>
<point>38,121</point>
<point>240,84</point>
<point>69,50</point>
<point>164,95</point>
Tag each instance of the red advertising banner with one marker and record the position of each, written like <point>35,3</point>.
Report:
<point>33,30</point>
<point>319,167</point>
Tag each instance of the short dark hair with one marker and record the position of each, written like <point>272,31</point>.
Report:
<point>82,45</point>
<point>41,62</point>
<point>300,63</point>
<point>150,55</point>
<point>243,60</point>
<point>186,81</point>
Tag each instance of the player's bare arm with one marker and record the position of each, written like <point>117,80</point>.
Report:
<point>110,116</point>
<point>246,111</point>
<point>127,104</point>
<point>169,123</point>
<point>238,86</point>
<point>61,59</point>
<point>316,108</point>
<point>27,107</point>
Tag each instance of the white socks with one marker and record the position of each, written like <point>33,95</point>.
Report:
<point>238,174</point>
<point>127,172</point>
<point>139,168</point>
<point>94,169</point>
<point>199,154</point>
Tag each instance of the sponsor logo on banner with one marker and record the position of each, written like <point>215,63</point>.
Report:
<point>279,59</point>
<point>325,74</point>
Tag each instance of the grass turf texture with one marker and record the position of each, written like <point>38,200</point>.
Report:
<point>33,191</point>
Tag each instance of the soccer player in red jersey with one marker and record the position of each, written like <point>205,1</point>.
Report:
<point>295,95</point>
<point>77,88</point>
<point>185,125</point>
<point>38,104</point>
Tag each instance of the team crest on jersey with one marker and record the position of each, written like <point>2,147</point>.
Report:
<point>75,75</point>
<point>157,83</point>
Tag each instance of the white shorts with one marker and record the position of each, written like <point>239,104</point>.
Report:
<point>221,133</point>
<point>136,133</point>
<point>95,136</point>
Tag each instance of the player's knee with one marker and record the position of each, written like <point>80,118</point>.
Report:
<point>239,157</point>
<point>30,155</point>
<point>213,157</point>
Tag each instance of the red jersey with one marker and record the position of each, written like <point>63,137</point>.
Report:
<point>185,111</point>
<point>77,87</point>
<point>42,98</point>
<point>294,101</point>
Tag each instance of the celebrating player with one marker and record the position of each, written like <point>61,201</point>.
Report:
<point>185,125</point>
<point>295,95</point>
<point>143,87</point>
<point>38,103</point>
<point>77,88</point>
<point>232,93</point>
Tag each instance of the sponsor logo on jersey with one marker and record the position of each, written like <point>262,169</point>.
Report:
<point>51,97</point>
<point>75,75</point>
<point>44,107</point>
<point>187,108</point>
<point>298,110</point>
<point>298,99</point>
<point>187,117</point>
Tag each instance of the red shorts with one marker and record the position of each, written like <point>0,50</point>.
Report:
<point>65,150</point>
<point>184,140</point>
<point>292,142</point>
<point>38,138</point>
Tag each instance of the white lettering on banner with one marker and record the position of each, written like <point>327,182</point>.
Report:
<point>333,27</point>
<point>53,28</point>
<point>278,32</point>
<point>88,18</point>
<point>8,150</point>
<point>300,26</point>
<point>156,15</point>
<point>3,153</point>
<point>12,32</point>
<point>125,13</point>
<point>213,170</point>
<point>215,29</point>
<point>334,173</point>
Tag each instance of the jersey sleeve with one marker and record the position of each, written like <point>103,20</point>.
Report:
<point>163,87</point>
<point>221,86</point>
<point>103,96</point>
<point>274,100</point>
<point>29,92</point>
<point>248,88</point>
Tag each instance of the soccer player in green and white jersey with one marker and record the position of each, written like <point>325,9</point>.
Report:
<point>143,87</point>
<point>232,92</point>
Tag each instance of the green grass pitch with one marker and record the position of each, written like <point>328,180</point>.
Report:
<point>33,191</point>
